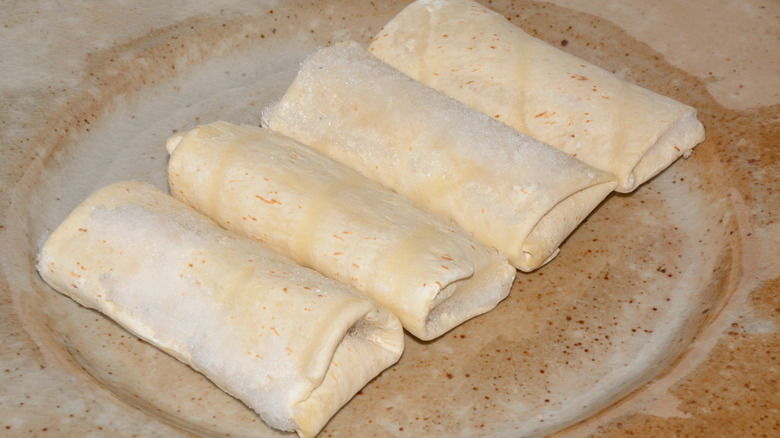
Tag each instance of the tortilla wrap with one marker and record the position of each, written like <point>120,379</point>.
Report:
<point>290,343</point>
<point>478,57</point>
<point>325,216</point>
<point>512,192</point>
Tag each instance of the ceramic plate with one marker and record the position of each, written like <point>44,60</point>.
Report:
<point>658,316</point>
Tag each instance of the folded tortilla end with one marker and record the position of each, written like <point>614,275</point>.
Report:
<point>467,298</point>
<point>375,335</point>
<point>541,245</point>
<point>173,142</point>
<point>678,141</point>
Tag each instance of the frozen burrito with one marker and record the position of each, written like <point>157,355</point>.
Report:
<point>513,192</point>
<point>291,344</point>
<point>476,56</point>
<point>325,216</point>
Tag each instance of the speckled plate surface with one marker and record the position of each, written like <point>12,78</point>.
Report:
<point>659,317</point>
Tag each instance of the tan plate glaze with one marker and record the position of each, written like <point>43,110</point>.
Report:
<point>659,317</point>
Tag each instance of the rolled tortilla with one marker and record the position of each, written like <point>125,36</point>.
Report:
<point>322,214</point>
<point>290,343</point>
<point>513,192</point>
<point>476,56</point>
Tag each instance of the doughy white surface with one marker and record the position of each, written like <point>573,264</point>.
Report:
<point>322,214</point>
<point>513,192</point>
<point>291,344</point>
<point>475,55</point>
